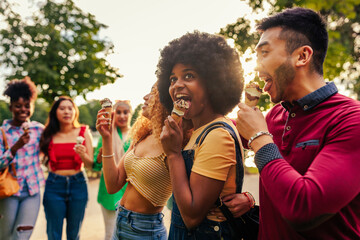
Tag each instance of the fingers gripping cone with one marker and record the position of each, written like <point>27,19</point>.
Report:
<point>252,94</point>
<point>107,105</point>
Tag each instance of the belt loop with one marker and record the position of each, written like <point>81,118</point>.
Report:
<point>160,216</point>
<point>128,215</point>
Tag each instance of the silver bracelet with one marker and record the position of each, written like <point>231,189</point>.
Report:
<point>106,156</point>
<point>258,135</point>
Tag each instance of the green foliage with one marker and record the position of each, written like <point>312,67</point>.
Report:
<point>136,113</point>
<point>40,113</point>
<point>58,47</point>
<point>240,32</point>
<point>344,36</point>
<point>4,111</point>
<point>88,113</point>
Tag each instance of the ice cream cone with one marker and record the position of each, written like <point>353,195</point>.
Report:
<point>180,107</point>
<point>251,103</point>
<point>252,94</point>
<point>107,105</point>
<point>25,126</point>
<point>79,140</point>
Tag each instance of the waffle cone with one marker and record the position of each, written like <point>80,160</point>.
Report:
<point>109,110</point>
<point>251,103</point>
<point>176,117</point>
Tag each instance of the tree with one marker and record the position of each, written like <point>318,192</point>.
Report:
<point>343,55</point>
<point>88,113</point>
<point>85,116</point>
<point>4,111</point>
<point>40,113</point>
<point>136,113</point>
<point>59,47</point>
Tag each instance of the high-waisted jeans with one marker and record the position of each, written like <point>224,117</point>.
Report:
<point>137,226</point>
<point>65,197</point>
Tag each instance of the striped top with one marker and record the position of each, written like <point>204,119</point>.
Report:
<point>150,177</point>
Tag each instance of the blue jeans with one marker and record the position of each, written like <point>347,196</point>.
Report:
<point>18,215</point>
<point>207,230</point>
<point>65,197</point>
<point>137,226</point>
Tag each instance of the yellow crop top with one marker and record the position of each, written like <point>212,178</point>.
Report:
<point>150,177</point>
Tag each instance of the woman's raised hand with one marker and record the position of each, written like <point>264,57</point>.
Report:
<point>103,123</point>
<point>171,137</point>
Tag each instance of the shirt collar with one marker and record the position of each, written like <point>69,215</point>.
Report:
<point>313,99</point>
<point>6,124</point>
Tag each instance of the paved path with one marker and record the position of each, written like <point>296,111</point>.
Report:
<point>93,226</point>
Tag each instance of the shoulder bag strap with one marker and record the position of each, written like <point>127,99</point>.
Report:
<point>6,145</point>
<point>4,139</point>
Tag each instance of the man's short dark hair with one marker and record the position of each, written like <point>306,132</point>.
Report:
<point>301,27</point>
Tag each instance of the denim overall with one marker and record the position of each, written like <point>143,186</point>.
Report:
<point>208,229</point>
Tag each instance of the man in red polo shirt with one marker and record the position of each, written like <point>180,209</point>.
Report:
<point>307,149</point>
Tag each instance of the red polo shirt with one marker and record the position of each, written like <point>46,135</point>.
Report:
<point>319,174</point>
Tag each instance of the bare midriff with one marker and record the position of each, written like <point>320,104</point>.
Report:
<point>134,201</point>
<point>66,172</point>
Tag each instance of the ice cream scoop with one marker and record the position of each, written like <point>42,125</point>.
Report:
<point>79,140</point>
<point>107,105</point>
<point>252,94</point>
<point>179,110</point>
<point>25,126</point>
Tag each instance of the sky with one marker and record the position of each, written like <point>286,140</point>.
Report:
<point>140,28</point>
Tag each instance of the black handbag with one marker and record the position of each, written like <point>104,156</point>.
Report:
<point>246,226</point>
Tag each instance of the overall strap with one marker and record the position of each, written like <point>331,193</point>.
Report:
<point>239,163</point>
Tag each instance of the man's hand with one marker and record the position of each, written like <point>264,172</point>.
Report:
<point>237,203</point>
<point>250,121</point>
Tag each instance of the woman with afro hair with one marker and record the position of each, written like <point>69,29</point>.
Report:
<point>19,212</point>
<point>204,71</point>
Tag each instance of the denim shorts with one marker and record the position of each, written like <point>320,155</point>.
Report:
<point>137,226</point>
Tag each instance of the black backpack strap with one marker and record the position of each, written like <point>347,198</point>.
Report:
<point>239,163</point>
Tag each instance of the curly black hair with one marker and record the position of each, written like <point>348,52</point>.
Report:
<point>24,88</point>
<point>300,26</point>
<point>217,64</point>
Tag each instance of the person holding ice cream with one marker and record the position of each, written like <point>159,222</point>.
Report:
<point>18,213</point>
<point>67,146</point>
<point>120,127</point>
